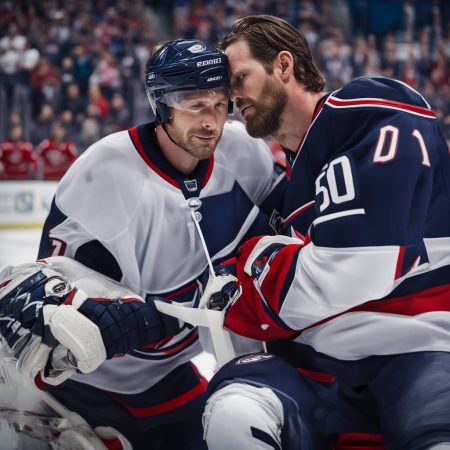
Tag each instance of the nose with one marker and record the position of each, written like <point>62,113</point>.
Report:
<point>234,93</point>
<point>209,119</point>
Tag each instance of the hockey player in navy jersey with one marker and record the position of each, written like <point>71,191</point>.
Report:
<point>355,291</point>
<point>124,209</point>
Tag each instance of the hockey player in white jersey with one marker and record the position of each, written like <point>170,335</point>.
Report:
<point>356,293</point>
<point>124,210</point>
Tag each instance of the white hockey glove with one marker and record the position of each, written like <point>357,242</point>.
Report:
<point>53,329</point>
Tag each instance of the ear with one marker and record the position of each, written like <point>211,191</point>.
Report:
<point>284,64</point>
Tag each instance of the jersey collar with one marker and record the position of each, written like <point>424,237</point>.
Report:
<point>144,140</point>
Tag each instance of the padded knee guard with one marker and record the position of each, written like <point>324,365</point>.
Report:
<point>242,416</point>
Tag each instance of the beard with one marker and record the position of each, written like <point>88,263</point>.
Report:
<point>194,146</point>
<point>266,119</point>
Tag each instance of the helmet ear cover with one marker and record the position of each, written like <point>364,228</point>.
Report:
<point>183,65</point>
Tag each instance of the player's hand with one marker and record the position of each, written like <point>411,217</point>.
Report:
<point>218,292</point>
<point>128,323</point>
<point>29,297</point>
<point>51,328</point>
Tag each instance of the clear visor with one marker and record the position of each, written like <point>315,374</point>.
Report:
<point>197,101</point>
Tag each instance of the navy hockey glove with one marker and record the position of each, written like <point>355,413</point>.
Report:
<point>218,292</point>
<point>128,323</point>
<point>40,309</point>
<point>29,296</point>
<point>24,303</point>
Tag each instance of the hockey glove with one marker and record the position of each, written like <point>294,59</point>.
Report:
<point>219,291</point>
<point>40,309</point>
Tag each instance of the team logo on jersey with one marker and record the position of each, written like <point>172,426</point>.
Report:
<point>191,185</point>
<point>249,359</point>
<point>275,221</point>
<point>197,48</point>
<point>57,287</point>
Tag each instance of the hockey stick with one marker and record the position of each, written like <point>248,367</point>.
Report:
<point>221,340</point>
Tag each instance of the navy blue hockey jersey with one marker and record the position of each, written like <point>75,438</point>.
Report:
<point>366,267</point>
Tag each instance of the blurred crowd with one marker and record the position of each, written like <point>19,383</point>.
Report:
<point>72,71</point>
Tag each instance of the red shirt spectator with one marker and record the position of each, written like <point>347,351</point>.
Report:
<point>17,158</point>
<point>56,154</point>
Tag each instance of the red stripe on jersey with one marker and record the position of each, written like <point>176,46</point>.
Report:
<point>183,344</point>
<point>358,441</point>
<point>153,346</point>
<point>137,143</point>
<point>41,384</point>
<point>249,315</point>
<point>428,300</point>
<point>70,297</point>
<point>249,318</point>
<point>274,281</point>
<point>181,291</point>
<point>229,261</point>
<point>300,145</point>
<point>400,258</point>
<point>307,240</point>
<point>5,283</point>
<point>339,103</point>
<point>299,235</point>
<point>113,444</point>
<point>318,109</point>
<point>298,211</point>
<point>317,376</point>
<point>110,300</point>
<point>169,405</point>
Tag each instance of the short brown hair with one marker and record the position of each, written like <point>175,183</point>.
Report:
<point>269,35</point>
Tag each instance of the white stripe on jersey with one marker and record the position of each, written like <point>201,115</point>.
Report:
<point>335,102</point>
<point>361,334</point>
<point>359,275</point>
<point>350,212</point>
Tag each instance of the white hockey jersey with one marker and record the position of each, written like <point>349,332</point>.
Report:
<point>122,210</point>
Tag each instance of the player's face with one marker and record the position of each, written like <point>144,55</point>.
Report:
<point>197,121</point>
<point>261,98</point>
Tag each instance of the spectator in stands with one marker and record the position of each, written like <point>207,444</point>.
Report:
<point>56,153</point>
<point>106,75</point>
<point>11,47</point>
<point>43,124</point>
<point>98,103</point>
<point>107,43</point>
<point>72,101</point>
<point>45,81</point>
<point>17,157</point>
<point>72,127</point>
<point>119,116</point>
<point>67,74</point>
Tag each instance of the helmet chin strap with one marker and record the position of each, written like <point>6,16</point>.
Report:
<point>163,124</point>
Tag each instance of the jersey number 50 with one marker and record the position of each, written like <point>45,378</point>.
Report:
<point>338,175</point>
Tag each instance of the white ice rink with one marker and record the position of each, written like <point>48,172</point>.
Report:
<point>18,246</point>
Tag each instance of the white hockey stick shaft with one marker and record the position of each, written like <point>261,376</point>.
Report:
<point>202,240</point>
<point>223,347</point>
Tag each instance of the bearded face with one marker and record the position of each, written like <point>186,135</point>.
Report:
<point>198,142</point>
<point>263,115</point>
